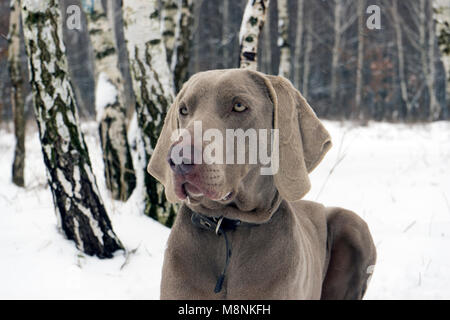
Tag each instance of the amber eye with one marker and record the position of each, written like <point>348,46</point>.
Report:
<point>239,107</point>
<point>184,111</point>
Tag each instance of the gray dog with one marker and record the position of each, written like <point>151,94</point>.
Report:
<point>243,235</point>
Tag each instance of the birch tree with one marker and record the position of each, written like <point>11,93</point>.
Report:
<point>110,104</point>
<point>400,55</point>
<point>170,15</point>
<point>283,39</point>
<point>298,42</point>
<point>428,54</point>
<point>443,34</point>
<point>361,5</point>
<point>226,34</point>
<point>267,45</point>
<point>252,23</point>
<point>17,98</point>
<point>152,84</point>
<point>307,57</point>
<point>79,208</point>
<point>344,17</point>
<point>183,39</point>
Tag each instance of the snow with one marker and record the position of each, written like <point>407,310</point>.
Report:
<point>397,177</point>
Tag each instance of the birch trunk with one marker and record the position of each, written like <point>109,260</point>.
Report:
<point>109,104</point>
<point>298,43</point>
<point>79,207</point>
<point>307,60</point>
<point>267,45</point>
<point>17,99</point>
<point>180,62</point>
<point>443,34</point>
<point>360,59</point>
<point>152,82</point>
<point>169,24</point>
<point>226,34</point>
<point>400,56</point>
<point>435,107</point>
<point>427,57</point>
<point>252,23</point>
<point>283,39</point>
<point>336,49</point>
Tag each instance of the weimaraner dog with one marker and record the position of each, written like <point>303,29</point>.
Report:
<point>240,234</point>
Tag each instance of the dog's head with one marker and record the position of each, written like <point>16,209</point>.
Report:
<point>200,155</point>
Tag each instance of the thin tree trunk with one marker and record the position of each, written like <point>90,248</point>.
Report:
<point>109,104</point>
<point>79,207</point>
<point>401,57</point>
<point>226,34</point>
<point>435,107</point>
<point>360,62</point>
<point>283,39</point>
<point>307,59</point>
<point>427,61</point>
<point>336,49</point>
<point>298,43</point>
<point>17,99</point>
<point>180,62</point>
<point>252,23</point>
<point>170,9</point>
<point>267,45</point>
<point>152,82</point>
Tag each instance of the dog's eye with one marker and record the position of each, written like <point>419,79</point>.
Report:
<point>184,111</point>
<point>239,107</point>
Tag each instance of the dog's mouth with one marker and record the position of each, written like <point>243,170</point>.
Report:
<point>194,193</point>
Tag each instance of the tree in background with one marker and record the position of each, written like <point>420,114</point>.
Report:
<point>79,208</point>
<point>17,95</point>
<point>442,15</point>
<point>283,39</point>
<point>169,17</point>
<point>252,23</point>
<point>344,17</point>
<point>109,104</point>
<point>361,7</point>
<point>152,84</point>
<point>183,40</point>
<point>298,48</point>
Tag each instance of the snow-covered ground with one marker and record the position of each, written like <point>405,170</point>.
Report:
<point>397,177</point>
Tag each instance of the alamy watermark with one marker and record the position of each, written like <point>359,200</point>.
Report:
<point>73,20</point>
<point>208,147</point>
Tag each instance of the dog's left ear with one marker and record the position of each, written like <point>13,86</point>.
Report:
<point>158,166</point>
<point>304,141</point>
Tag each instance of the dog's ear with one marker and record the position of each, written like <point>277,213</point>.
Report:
<point>158,166</point>
<point>303,142</point>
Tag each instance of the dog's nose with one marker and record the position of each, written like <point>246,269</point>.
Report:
<point>180,164</point>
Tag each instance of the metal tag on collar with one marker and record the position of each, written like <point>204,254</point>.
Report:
<point>218,225</point>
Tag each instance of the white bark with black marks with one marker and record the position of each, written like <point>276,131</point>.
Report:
<point>109,104</point>
<point>170,14</point>
<point>79,207</point>
<point>252,23</point>
<point>152,85</point>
